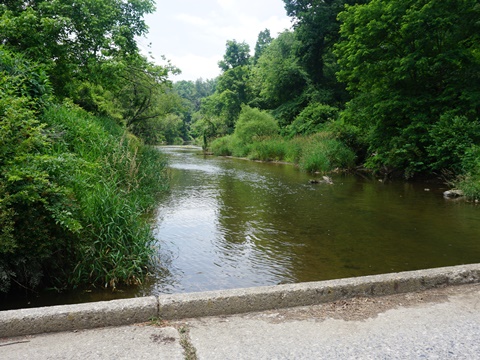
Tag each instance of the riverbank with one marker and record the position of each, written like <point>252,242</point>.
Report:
<point>430,323</point>
<point>74,191</point>
<point>228,302</point>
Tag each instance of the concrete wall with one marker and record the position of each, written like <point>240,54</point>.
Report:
<point>226,302</point>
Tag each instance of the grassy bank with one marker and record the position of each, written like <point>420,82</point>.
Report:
<point>74,198</point>
<point>256,137</point>
<point>320,152</point>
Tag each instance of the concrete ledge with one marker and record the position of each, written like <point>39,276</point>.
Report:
<point>81,316</point>
<point>226,302</point>
<point>283,296</point>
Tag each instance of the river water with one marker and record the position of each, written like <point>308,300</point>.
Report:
<point>230,223</point>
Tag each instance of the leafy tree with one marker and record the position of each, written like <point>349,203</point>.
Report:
<point>254,123</point>
<point>90,53</point>
<point>316,29</point>
<point>407,64</point>
<point>194,91</point>
<point>74,37</point>
<point>236,54</point>
<point>278,80</point>
<point>164,102</point>
<point>263,41</point>
<point>224,108</point>
<point>232,89</point>
<point>312,119</point>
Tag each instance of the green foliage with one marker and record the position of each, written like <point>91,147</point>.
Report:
<point>407,64</point>
<point>38,212</point>
<point>323,153</point>
<point>222,146</point>
<point>452,140</point>
<point>93,60</point>
<point>253,123</point>
<point>96,99</point>
<point>24,79</point>
<point>75,188</point>
<point>469,181</point>
<point>263,41</point>
<point>316,31</point>
<point>319,152</point>
<point>236,54</point>
<point>68,39</point>
<point>312,119</point>
<point>269,149</point>
<point>121,183</point>
<point>192,93</point>
<point>277,76</point>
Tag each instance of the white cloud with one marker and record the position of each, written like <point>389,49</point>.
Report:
<point>193,34</point>
<point>195,66</point>
<point>227,4</point>
<point>193,20</point>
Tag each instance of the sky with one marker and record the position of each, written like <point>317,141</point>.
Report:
<point>192,33</point>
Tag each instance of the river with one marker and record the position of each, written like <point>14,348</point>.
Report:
<point>230,223</point>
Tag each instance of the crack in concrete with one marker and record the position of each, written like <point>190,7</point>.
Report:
<point>189,350</point>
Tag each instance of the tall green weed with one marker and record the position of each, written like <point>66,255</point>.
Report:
<point>319,152</point>
<point>121,183</point>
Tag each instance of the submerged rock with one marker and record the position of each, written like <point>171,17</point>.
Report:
<point>325,180</point>
<point>453,193</point>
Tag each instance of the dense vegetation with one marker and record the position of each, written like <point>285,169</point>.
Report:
<point>389,86</point>
<point>396,83</point>
<point>75,181</point>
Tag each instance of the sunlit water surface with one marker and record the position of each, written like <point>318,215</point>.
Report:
<point>230,223</point>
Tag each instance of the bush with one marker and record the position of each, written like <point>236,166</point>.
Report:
<point>470,185</point>
<point>324,153</point>
<point>469,182</point>
<point>38,212</point>
<point>312,119</point>
<point>221,146</point>
<point>253,123</point>
<point>121,184</point>
<point>452,137</point>
<point>268,149</point>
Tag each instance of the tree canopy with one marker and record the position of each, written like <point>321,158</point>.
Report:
<point>408,64</point>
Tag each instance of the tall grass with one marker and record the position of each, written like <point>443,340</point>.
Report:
<point>319,152</point>
<point>115,182</point>
<point>323,153</point>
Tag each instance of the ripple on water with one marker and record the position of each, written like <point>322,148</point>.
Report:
<point>233,223</point>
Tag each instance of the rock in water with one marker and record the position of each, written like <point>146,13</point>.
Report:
<point>453,193</point>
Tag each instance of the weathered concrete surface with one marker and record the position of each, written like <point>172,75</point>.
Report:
<point>440,323</point>
<point>239,301</point>
<point>81,316</point>
<point>128,342</point>
<point>215,303</point>
<point>446,326</point>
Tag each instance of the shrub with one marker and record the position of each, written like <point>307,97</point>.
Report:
<point>121,184</point>
<point>452,137</point>
<point>324,153</point>
<point>268,149</point>
<point>470,185</point>
<point>38,211</point>
<point>312,119</point>
<point>295,149</point>
<point>253,123</point>
<point>221,146</point>
<point>469,182</point>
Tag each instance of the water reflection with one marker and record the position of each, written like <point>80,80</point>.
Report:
<point>231,223</point>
